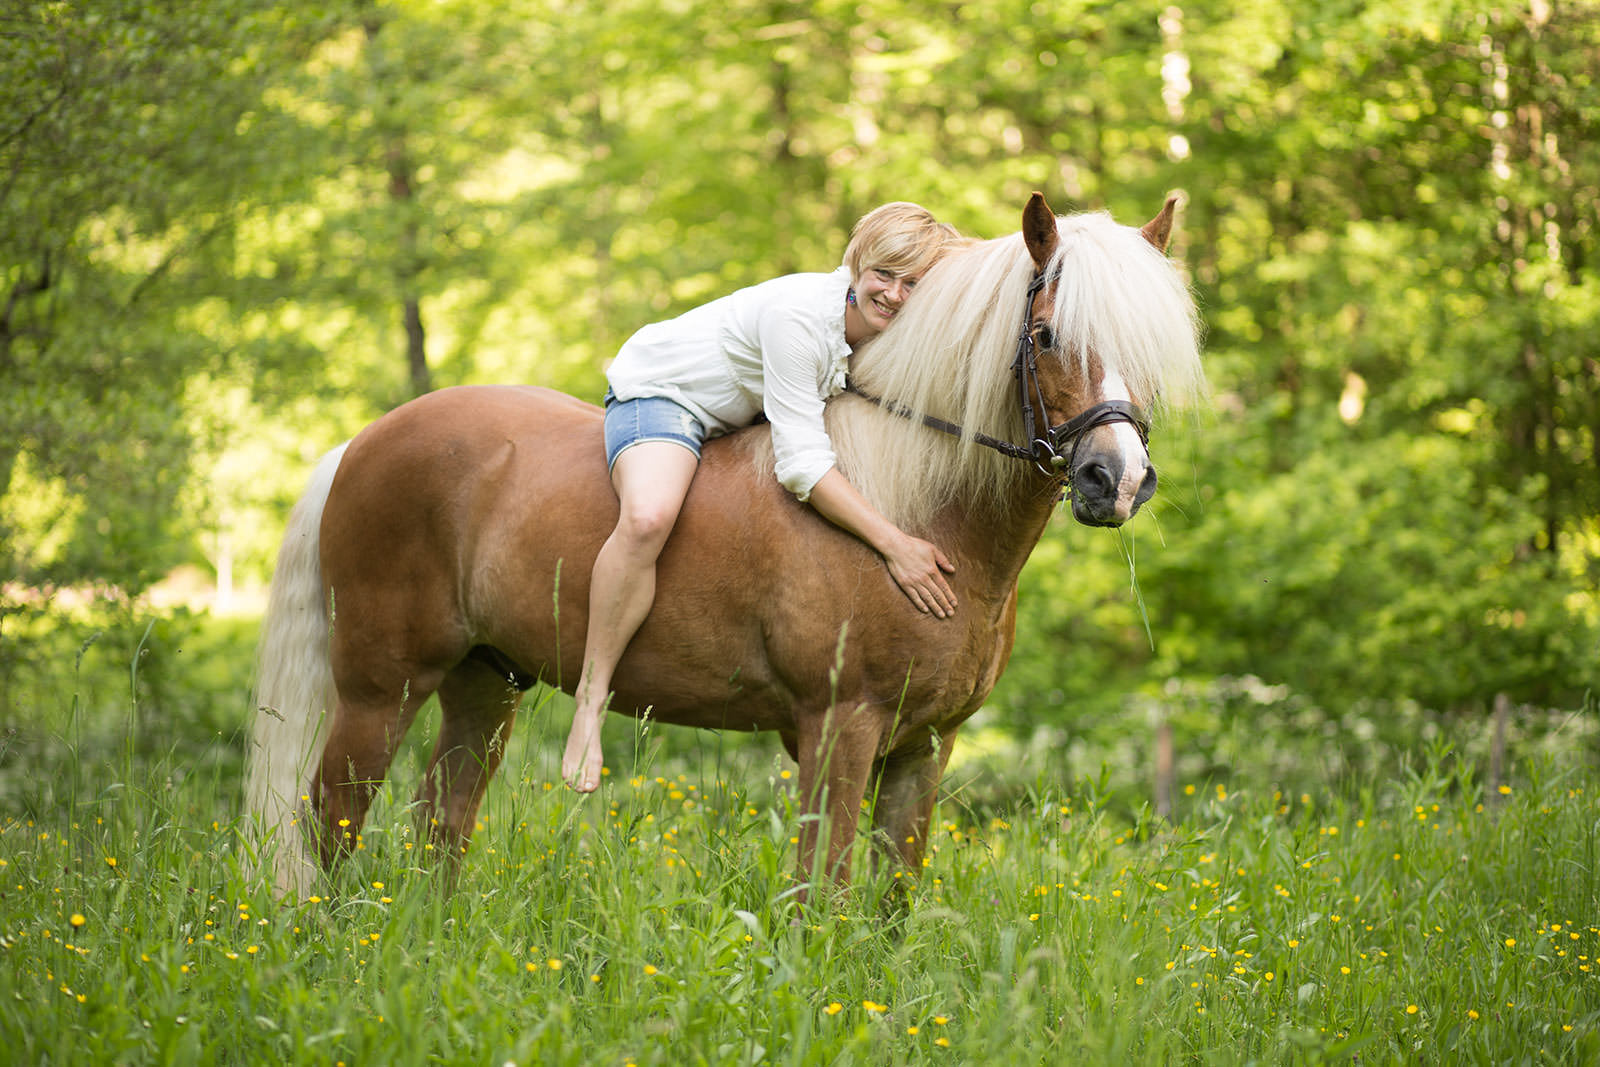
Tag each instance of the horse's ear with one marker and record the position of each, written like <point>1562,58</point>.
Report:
<point>1158,231</point>
<point>1039,230</point>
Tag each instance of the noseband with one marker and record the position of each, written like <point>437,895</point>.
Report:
<point>1054,450</point>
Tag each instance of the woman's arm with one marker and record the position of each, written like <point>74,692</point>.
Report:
<point>917,566</point>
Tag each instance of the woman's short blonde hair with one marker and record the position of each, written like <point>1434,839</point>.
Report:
<point>901,237</point>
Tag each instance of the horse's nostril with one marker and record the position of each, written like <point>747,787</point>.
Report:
<point>1094,480</point>
<point>1147,488</point>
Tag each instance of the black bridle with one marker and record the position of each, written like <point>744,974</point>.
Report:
<point>1053,451</point>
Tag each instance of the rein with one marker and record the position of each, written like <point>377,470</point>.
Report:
<point>1055,450</point>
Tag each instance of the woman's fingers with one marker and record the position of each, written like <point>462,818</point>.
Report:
<point>941,593</point>
<point>920,573</point>
<point>933,593</point>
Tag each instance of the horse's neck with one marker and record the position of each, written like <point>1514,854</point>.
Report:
<point>998,547</point>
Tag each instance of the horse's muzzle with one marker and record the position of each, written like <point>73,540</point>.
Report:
<point>1099,495</point>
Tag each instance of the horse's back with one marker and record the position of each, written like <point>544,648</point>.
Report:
<point>452,465</point>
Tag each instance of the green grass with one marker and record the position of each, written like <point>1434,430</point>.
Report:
<point>1329,889</point>
<point>1409,920</point>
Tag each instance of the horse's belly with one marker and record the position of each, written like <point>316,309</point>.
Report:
<point>698,662</point>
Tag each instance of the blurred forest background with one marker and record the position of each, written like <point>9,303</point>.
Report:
<point>232,233</point>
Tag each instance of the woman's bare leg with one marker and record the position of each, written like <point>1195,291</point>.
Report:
<point>651,478</point>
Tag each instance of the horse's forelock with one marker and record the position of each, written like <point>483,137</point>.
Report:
<point>1125,301</point>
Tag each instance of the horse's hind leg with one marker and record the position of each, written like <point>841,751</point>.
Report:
<point>363,735</point>
<point>478,710</point>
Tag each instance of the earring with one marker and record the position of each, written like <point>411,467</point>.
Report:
<point>850,296</point>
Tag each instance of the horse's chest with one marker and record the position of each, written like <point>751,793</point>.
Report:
<point>948,682</point>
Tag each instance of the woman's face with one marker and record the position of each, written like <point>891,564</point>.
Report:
<point>879,295</point>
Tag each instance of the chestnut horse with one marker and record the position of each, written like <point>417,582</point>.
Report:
<point>447,548</point>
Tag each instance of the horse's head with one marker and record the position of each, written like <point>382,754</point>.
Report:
<point>1107,325</point>
<point>1094,428</point>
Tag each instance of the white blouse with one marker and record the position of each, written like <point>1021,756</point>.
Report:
<point>777,347</point>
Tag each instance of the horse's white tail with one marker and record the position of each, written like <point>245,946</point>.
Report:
<point>294,688</point>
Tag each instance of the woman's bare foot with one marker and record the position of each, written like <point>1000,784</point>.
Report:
<point>581,763</point>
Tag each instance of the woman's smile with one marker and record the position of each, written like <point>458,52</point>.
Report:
<point>880,294</point>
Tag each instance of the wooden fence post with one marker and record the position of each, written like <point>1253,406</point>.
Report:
<point>1164,768</point>
<point>1497,747</point>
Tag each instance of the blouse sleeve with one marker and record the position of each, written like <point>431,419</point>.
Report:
<point>794,356</point>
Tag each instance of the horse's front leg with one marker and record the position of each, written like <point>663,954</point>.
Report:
<point>836,751</point>
<point>907,787</point>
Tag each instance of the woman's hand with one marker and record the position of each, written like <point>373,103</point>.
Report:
<point>916,566</point>
<point>919,568</point>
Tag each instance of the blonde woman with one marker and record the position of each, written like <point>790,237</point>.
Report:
<point>781,347</point>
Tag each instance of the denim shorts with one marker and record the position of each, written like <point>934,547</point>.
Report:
<point>649,418</point>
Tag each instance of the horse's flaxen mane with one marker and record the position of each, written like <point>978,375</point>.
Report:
<point>949,354</point>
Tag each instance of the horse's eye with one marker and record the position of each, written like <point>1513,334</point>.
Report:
<point>1044,336</point>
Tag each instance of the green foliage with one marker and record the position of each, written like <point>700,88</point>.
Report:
<point>1390,233</point>
<point>231,234</point>
<point>111,681</point>
<point>117,207</point>
<point>1344,566</point>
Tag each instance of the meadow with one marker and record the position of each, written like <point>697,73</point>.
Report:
<point>1328,895</point>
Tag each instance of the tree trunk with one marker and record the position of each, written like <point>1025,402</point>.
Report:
<point>408,263</point>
